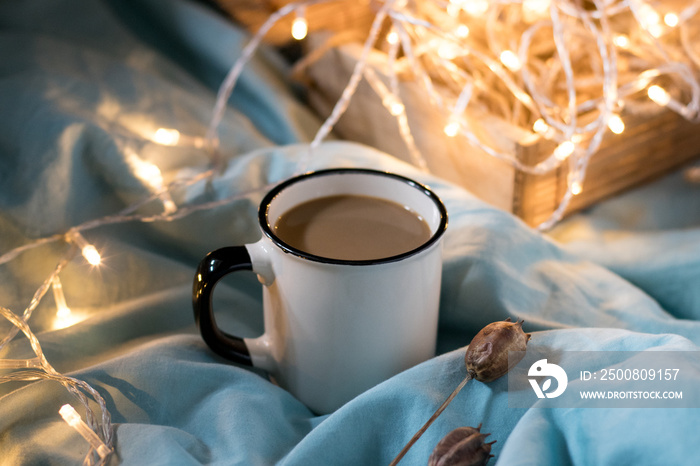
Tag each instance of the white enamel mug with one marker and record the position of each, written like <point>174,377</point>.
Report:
<point>333,328</point>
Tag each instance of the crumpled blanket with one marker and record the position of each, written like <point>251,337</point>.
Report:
<point>85,85</point>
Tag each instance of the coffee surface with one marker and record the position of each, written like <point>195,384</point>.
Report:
<point>352,227</point>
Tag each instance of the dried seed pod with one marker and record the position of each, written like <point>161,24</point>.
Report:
<point>487,355</point>
<point>486,360</point>
<point>464,446</point>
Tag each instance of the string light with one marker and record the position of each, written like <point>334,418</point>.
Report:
<point>576,188</point>
<point>475,7</point>
<point>555,35</point>
<point>621,40</point>
<point>616,124</point>
<point>407,17</point>
<point>671,19</point>
<point>91,255</point>
<point>462,31</point>
<point>451,129</point>
<point>564,150</point>
<point>540,126</point>
<point>166,136</point>
<point>145,171</point>
<point>39,368</point>
<point>14,364</point>
<point>535,9</point>
<point>448,50</point>
<point>659,95</point>
<point>62,308</point>
<point>511,60</point>
<point>150,174</point>
<point>394,105</point>
<point>300,26</point>
<point>647,14</point>
<point>64,315</point>
<point>173,137</point>
<point>72,418</point>
<point>578,33</point>
<point>88,251</point>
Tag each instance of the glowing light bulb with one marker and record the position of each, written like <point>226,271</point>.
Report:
<point>540,126</point>
<point>449,50</point>
<point>150,174</point>
<point>59,297</point>
<point>392,38</point>
<point>650,20</point>
<point>63,313</point>
<point>564,150</point>
<point>70,415</point>
<point>510,60</point>
<point>64,316</point>
<point>462,31</point>
<point>535,9</point>
<point>72,418</point>
<point>88,250</point>
<point>658,95</point>
<point>396,108</point>
<point>393,105</point>
<point>648,15</point>
<point>671,19</point>
<point>166,136</point>
<point>299,26</point>
<point>616,124</point>
<point>576,188</point>
<point>91,255</point>
<point>621,41</point>
<point>452,128</point>
<point>475,7</point>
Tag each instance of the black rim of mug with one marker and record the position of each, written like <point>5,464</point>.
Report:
<point>269,197</point>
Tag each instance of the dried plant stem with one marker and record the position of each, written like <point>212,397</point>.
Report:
<point>432,418</point>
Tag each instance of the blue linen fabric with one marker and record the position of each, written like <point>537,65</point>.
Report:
<point>82,86</point>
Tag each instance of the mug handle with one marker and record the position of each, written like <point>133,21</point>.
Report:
<point>213,268</point>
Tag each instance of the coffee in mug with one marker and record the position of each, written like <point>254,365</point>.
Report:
<point>352,227</point>
<point>350,262</point>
